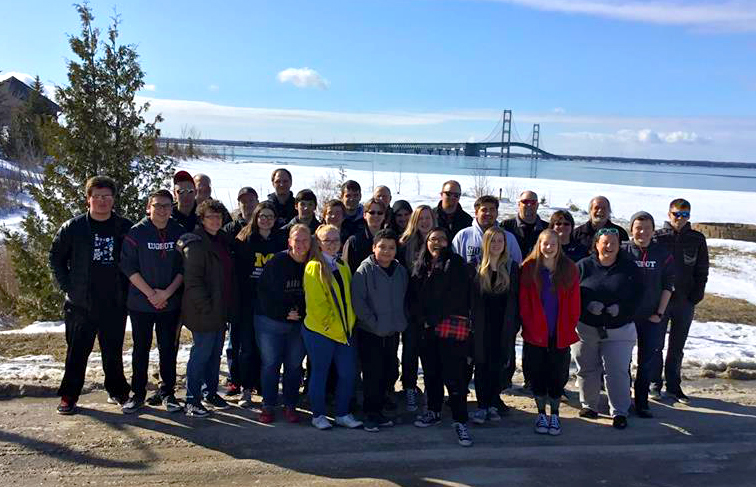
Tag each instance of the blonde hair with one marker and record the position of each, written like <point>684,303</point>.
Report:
<point>564,268</point>
<point>300,227</point>
<point>326,276</point>
<point>411,236</point>
<point>484,268</point>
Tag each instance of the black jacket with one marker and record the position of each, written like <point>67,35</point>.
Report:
<point>153,254</point>
<point>314,224</point>
<point>584,233</point>
<point>453,223</point>
<point>187,221</point>
<point>620,283</point>
<point>280,288</point>
<point>526,237</point>
<point>235,226</point>
<point>71,257</point>
<point>357,248</point>
<point>575,250</point>
<point>284,212</point>
<point>442,293</point>
<point>250,257</point>
<point>482,323</point>
<point>657,269</point>
<point>691,254</point>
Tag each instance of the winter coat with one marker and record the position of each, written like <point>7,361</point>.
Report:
<point>329,308</point>
<point>442,293</point>
<point>468,244</point>
<point>284,211</point>
<point>203,307</point>
<point>314,224</point>
<point>619,283</point>
<point>584,233</point>
<point>481,323</point>
<point>378,298</point>
<point>691,254</point>
<point>153,254</point>
<point>357,248</point>
<point>354,223</point>
<point>517,228</point>
<point>657,268</point>
<point>250,257</point>
<point>575,250</point>
<point>187,221</point>
<point>280,288</point>
<point>71,256</point>
<point>535,329</point>
<point>453,223</point>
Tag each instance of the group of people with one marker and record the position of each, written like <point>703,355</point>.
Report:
<point>339,290</point>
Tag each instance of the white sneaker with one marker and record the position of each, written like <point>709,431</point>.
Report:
<point>246,399</point>
<point>133,405</point>
<point>479,416</point>
<point>542,424</point>
<point>348,421</point>
<point>321,422</point>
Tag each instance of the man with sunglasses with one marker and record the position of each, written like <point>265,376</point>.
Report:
<point>526,225</point>
<point>599,216</point>
<point>449,213</point>
<point>691,273</point>
<point>185,200</point>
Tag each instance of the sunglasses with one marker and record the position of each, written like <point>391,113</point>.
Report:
<point>373,212</point>
<point>452,194</point>
<point>607,231</point>
<point>681,214</point>
<point>185,191</point>
<point>529,202</point>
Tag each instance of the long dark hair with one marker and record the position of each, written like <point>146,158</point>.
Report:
<point>424,260</point>
<point>251,227</point>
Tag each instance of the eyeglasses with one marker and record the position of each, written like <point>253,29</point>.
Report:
<point>529,202</point>
<point>452,194</point>
<point>161,206</point>
<point>681,214</point>
<point>102,197</point>
<point>185,191</point>
<point>563,223</point>
<point>266,217</point>
<point>374,212</point>
<point>607,231</point>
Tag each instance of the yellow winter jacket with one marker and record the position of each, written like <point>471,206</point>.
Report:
<point>327,312</point>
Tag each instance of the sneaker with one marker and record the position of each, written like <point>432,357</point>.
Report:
<point>501,407</point>
<point>348,421</point>
<point>588,413</point>
<point>67,406</point>
<point>215,401</point>
<point>267,415</point>
<point>321,422</point>
<point>232,389</point>
<point>479,416</point>
<point>619,422</point>
<point>132,405</point>
<point>171,404</point>
<point>655,393</point>
<point>643,413</point>
<point>493,414</point>
<point>555,427</point>
<point>430,418</point>
<point>155,399</point>
<point>196,410</point>
<point>383,421</point>
<point>371,426</point>
<point>290,414</point>
<point>463,434</point>
<point>246,399</point>
<point>120,401</point>
<point>542,424</point>
<point>681,397</point>
<point>411,396</point>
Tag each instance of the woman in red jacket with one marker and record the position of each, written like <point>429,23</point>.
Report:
<point>550,309</point>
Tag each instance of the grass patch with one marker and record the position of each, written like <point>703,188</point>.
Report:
<point>17,345</point>
<point>727,310</point>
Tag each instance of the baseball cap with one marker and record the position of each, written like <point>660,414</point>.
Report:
<point>182,176</point>
<point>246,190</point>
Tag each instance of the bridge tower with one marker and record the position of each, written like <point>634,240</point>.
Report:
<point>506,138</point>
<point>536,139</point>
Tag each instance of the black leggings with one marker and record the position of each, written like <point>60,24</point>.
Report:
<point>546,368</point>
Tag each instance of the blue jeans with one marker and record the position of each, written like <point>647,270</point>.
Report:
<point>650,346</point>
<point>322,350</point>
<point>204,365</point>
<point>280,343</point>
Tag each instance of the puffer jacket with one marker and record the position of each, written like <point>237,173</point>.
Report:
<point>71,255</point>
<point>378,299</point>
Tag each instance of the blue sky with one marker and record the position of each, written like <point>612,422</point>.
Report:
<point>646,78</point>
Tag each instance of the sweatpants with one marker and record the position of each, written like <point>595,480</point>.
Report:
<point>612,355</point>
<point>378,360</point>
<point>108,324</point>
<point>680,312</point>
<point>165,325</point>
<point>445,363</point>
<point>545,368</point>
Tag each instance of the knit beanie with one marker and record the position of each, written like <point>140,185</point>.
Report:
<point>646,216</point>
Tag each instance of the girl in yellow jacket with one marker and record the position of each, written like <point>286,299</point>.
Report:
<point>328,325</point>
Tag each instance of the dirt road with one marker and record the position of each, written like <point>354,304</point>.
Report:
<point>712,442</point>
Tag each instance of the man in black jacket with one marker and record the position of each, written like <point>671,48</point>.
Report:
<point>526,225</point>
<point>599,213</point>
<point>282,197</point>
<point>247,199</point>
<point>84,258</point>
<point>691,273</point>
<point>449,213</point>
<point>185,200</point>
<point>305,202</point>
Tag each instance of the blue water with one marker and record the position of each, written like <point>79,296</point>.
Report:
<point>632,174</point>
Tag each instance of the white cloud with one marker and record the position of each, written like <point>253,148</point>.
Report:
<point>213,88</point>
<point>732,15</point>
<point>303,78</point>
<point>642,136</point>
<point>558,110</point>
<point>149,87</point>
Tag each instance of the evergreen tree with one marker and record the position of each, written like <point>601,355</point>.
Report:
<point>104,133</point>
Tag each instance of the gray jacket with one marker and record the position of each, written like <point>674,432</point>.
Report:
<point>378,299</point>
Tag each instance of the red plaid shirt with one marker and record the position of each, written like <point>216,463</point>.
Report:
<point>456,327</point>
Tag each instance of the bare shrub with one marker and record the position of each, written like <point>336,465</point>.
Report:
<point>8,287</point>
<point>482,184</point>
<point>328,186</point>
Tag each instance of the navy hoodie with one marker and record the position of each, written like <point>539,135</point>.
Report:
<point>619,283</point>
<point>280,288</point>
<point>657,267</point>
